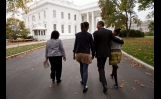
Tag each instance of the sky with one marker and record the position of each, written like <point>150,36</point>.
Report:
<point>141,15</point>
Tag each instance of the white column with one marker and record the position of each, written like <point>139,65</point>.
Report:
<point>92,25</point>
<point>87,17</point>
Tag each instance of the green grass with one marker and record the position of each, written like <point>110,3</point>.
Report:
<point>141,48</point>
<point>149,37</point>
<point>16,50</point>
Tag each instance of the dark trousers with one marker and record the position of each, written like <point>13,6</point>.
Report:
<point>56,67</point>
<point>101,65</point>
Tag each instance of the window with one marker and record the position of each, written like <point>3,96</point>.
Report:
<point>74,17</point>
<point>62,28</point>
<point>82,18</point>
<point>69,16</point>
<point>28,19</point>
<point>54,14</point>
<point>69,28</point>
<point>33,18</point>
<point>44,14</point>
<point>41,33</point>
<point>62,15</point>
<point>45,25</point>
<point>54,27</point>
<point>75,29</point>
<point>44,32</point>
<point>39,15</point>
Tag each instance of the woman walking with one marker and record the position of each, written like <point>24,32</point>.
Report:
<point>83,44</point>
<point>115,57</point>
<point>54,52</point>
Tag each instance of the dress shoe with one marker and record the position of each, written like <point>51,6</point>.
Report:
<point>105,88</point>
<point>58,81</point>
<point>85,90</point>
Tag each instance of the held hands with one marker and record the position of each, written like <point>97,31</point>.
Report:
<point>74,57</point>
<point>64,58</point>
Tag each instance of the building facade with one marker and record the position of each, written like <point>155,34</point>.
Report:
<point>143,27</point>
<point>61,15</point>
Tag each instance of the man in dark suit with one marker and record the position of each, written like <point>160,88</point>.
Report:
<point>102,38</point>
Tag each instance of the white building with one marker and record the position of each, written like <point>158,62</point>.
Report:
<point>61,15</point>
<point>143,27</point>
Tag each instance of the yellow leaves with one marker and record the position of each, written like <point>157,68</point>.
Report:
<point>150,74</point>
<point>50,86</point>
<point>133,88</point>
<point>32,69</point>
<point>75,93</point>
<point>137,82</point>
<point>152,81</point>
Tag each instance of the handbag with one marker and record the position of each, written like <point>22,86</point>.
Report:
<point>46,64</point>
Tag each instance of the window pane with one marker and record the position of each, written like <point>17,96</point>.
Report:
<point>54,13</point>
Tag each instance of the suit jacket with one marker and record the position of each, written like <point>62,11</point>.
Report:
<point>102,38</point>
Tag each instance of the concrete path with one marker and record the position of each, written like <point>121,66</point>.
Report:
<point>27,79</point>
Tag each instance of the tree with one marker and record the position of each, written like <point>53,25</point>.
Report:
<point>118,13</point>
<point>13,6</point>
<point>15,28</point>
<point>137,21</point>
<point>146,4</point>
<point>151,26</point>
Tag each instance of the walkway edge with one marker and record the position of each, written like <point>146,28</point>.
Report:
<point>24,52</point>
<point>139,61</point>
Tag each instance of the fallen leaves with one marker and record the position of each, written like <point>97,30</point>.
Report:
<point>75,93</point>
<point>76,76</point>
<point>32,69</point>
<point>50,86</point>
<point>150,74</point>
<point>152,81</point>
<point>133,88</point>
<point>137,82</point>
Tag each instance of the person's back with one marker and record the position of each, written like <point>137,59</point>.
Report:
<point>83,42</point>
<point>102,38</point>
<point>103,42</point>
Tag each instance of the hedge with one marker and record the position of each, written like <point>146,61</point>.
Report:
<point>132,33</point>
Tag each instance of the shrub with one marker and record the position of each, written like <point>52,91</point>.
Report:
<point>132,33</point>
<point>149,34</point>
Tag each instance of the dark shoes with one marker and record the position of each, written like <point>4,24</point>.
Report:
<point>105,88</point>
<point>58,81</point>
<point>85,90</point>
<point>53,80</point>
<point>81,82</point>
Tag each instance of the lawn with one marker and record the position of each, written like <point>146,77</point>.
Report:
<point>150,37</point>
<point>141,48</point>
<point>16,50</point>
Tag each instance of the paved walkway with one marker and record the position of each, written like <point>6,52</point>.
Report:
<point>27,79</point>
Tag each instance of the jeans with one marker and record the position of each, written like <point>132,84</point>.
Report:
<point>84,73</point>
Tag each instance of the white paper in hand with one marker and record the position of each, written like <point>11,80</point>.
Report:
<point>46,64</point>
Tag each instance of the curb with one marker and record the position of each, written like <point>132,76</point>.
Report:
<point>139,61</point>
<point>23,52</point>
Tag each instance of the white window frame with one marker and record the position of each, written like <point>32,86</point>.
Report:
<point>54,13</point>
<point>44,14</point>
<point>75,17</point>
<point>62,15</point>
<point>69,16</point>
<point>54,26</point>
<point>69,28</point>
<point>62,28</point>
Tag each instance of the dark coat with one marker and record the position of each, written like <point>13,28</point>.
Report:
<point>102,38</point>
